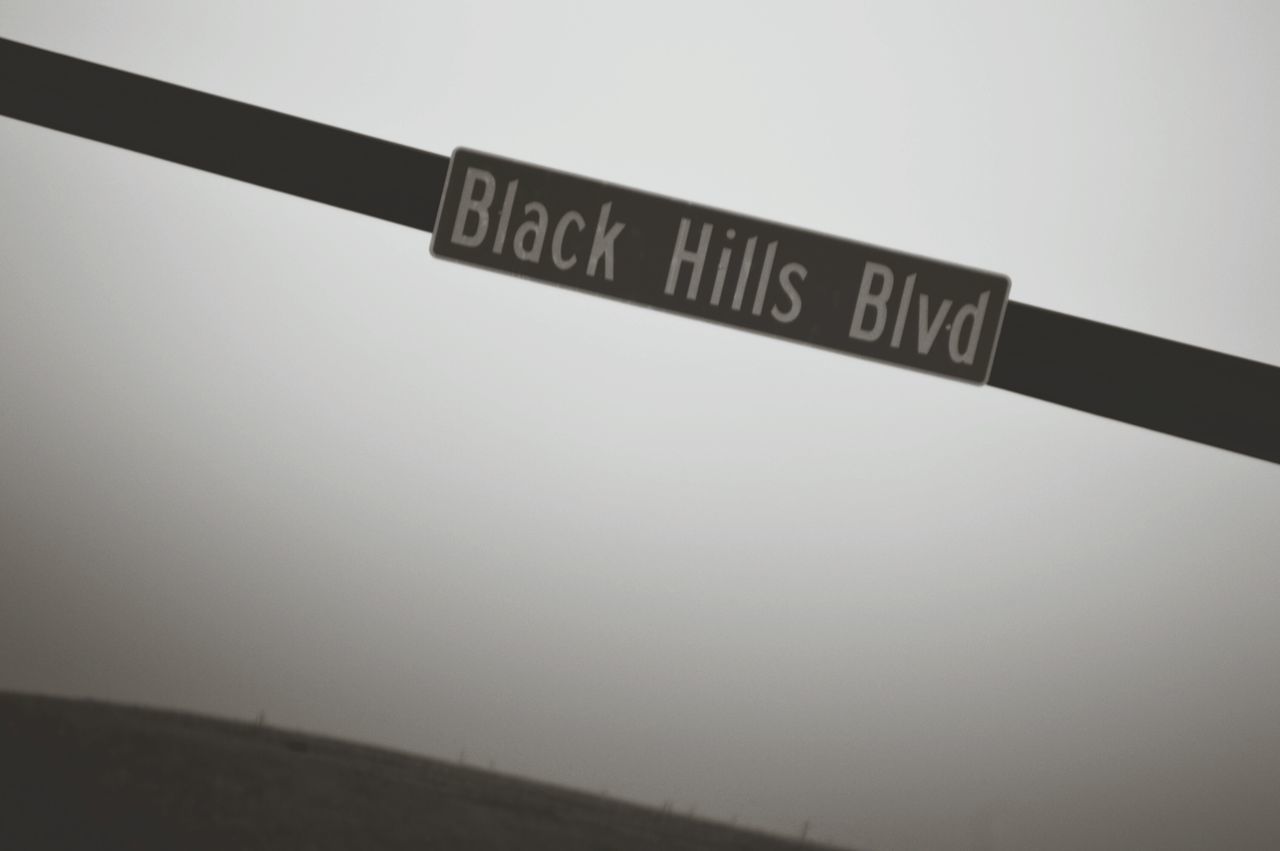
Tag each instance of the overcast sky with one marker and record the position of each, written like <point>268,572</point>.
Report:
<point>257,453</point>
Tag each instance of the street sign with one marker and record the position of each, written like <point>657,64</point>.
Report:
<point>724,267</point>
<point>1179,389</point>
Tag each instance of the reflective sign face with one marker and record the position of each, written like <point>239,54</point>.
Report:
<point>727,268</point>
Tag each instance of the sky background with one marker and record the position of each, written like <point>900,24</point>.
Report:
<point>260,454</point>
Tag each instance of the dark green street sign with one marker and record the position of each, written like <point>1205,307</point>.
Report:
<point>724,267</point>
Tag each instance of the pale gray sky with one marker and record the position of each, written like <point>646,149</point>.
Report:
<point>261,454</point>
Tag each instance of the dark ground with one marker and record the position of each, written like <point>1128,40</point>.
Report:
<point>87,775</point>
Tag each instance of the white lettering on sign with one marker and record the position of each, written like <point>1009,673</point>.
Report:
<point>690,262</point>
<point>718,266</point>
<point>872,311</point>
<point>478,189</point>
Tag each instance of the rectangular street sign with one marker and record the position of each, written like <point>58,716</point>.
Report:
<point>728,268</point>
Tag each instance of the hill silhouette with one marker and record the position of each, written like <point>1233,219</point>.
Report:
<point>86,774</point>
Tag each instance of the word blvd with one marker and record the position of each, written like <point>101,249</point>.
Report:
<point>873,310</point>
